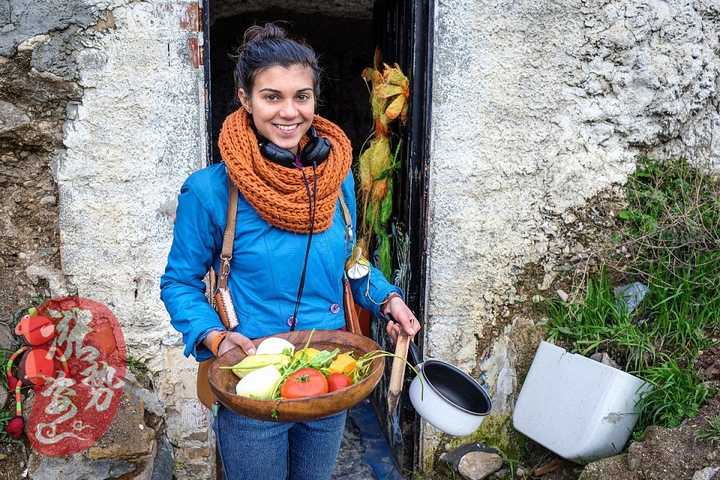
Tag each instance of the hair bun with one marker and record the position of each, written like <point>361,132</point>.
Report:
<point>258,33</point>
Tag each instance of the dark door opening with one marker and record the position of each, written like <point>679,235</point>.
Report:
<point>343,44</point>
<point>345,36</point>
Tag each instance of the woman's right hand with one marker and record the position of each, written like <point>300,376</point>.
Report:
<point>231,340</point>
<point>234,339</point>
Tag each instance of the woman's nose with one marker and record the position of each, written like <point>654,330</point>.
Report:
<point>288,110</point>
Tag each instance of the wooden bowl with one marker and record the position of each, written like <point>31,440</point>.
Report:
<point>223,381</point>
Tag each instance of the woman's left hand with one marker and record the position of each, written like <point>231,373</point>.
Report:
<point>400,317</point>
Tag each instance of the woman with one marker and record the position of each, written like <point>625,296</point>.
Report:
<point>289,250</point>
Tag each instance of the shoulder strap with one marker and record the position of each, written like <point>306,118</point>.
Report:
<point>229,235</point>
<point>346,215</point>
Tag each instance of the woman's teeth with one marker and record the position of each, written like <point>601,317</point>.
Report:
<point>287,128</point>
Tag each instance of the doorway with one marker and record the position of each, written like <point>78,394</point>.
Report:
<point>345,34</point>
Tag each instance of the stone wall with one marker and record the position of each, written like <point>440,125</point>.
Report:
<point>338,8</point>
<point>102,107</point>
<point>537,107</point>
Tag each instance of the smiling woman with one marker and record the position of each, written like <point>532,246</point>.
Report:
<point>282,104</point>
<point>289,167</point>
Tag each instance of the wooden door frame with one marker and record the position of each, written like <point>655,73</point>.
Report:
<point>406,32</point>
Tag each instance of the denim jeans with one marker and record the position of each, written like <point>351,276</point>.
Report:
<point>260,450</point>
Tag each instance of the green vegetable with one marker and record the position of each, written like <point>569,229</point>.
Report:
<point>324,358</point>
<point>254,362</point>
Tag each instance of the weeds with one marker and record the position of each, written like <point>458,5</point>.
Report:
<point>677,394</point>
<point>5,417</point>
<point>137,366</point>
<point>711,431</point>
<point>671,231</point>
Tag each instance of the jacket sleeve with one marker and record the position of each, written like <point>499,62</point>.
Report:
<point>182,289</point>
<point>372,290</point>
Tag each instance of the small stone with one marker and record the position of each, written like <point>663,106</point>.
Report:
<point>547,281</point>
<point>3,396</point>
<point>164,460</point>
<point>502,473</point>
<point>8,341</point>
<point>633,456</point>
<point>562,295</point>
<point>521,472</point>
<point>33,42</point>
<point>707,473</point>
<point>605,359</point>
<point>47,200</point>
<point>479,465</point>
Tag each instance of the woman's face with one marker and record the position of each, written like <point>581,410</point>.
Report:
<point>282,104</point>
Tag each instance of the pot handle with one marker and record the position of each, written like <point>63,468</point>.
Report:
<point>414,354</point>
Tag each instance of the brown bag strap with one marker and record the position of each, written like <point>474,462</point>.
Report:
<point>352,323</point>
<point>228,236</point>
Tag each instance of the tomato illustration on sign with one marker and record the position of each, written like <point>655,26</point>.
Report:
<point>72,410</point>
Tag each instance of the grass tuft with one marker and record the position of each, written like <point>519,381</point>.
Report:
<point>711,431</point>
<point>671,229</point>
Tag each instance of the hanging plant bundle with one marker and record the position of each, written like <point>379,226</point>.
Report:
<point>390,100</point>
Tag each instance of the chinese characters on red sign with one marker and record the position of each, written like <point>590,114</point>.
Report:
<point>73,409</point>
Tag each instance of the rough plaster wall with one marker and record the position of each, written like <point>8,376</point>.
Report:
<point>134,129</point>
<point>32,111</point>
<point>136,135</point>
<point>537,106</point>
<point>337,8</point>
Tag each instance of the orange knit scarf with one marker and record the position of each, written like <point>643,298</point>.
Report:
<point>276,192</point>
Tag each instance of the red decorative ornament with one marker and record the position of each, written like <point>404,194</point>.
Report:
<point>15,427</point>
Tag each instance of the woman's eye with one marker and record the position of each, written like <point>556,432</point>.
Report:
<point>272,98</point>
<point>303,97</point>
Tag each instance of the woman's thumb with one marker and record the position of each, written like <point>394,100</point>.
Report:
<point>244,342</point>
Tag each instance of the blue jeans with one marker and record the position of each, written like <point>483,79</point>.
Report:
<point>259,450</point>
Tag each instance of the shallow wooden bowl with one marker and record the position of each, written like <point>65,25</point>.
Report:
<point>223,381</point>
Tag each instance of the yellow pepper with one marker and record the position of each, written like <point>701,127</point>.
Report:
<point>344,363</point>
<point>309,353</point>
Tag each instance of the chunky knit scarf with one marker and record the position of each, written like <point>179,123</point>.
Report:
<point>276,192</point>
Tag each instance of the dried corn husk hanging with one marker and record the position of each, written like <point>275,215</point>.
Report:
<point>389,100</point>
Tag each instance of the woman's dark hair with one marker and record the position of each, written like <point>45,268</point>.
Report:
<point>267,46</point>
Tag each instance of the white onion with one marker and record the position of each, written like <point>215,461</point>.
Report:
<point>259,384</point>
<point>274,346</point>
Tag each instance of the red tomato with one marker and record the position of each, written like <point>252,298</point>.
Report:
<point>306,382</point>
<point>336,381</point>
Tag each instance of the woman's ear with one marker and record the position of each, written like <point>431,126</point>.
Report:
<point>244,100</point>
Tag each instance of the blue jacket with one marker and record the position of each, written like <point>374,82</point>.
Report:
<point>265,267</point>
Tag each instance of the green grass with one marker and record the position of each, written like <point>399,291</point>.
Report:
<point>711,431</point>
<point>671,227</point>
<point>137,366</point>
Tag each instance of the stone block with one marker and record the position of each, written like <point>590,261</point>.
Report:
<point>128,437</point>
<point>479,465</point>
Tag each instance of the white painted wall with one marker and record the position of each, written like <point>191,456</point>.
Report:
<point>137,134</point>
<point>536,107</point>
